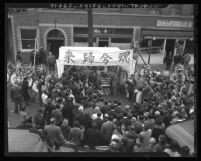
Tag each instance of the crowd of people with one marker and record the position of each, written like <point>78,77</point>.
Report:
<point>73,109</point>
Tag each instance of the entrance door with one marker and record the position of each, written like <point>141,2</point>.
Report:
<point>55,39</point>
<point>170,45</point>
<point>54,45</point>
<point>103,42</point>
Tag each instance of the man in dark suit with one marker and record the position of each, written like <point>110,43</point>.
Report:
<point>39,120</point>
<point>51,60</point>
<point>93,136</point>
<point>54,133</point>
<point>56,113</point>
<point>107,130</point>
<point>16,96</point>
<point>98,121</point>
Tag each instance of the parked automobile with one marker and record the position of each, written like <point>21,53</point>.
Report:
<point>183,133</point>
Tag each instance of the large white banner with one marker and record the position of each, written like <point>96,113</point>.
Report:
<point>95,56</point>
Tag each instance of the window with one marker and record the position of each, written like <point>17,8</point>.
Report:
<point>121,40</point>
<point>28,38</point>
<point>82,39</point>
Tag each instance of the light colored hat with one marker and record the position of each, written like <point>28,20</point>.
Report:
<point>116,137</point>
<point>127,106</point>
<point>157,113</point>
<point>106,115</point>
<point>81,108</point>
<point>152,140</point>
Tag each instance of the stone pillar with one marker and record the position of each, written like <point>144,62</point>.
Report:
<point>175,47</point>
<point>184,45</point>
<point>164,46</point>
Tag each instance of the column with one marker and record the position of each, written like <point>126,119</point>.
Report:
<point>175,47</point>
<point>184,45</point>
<point>164,46</point>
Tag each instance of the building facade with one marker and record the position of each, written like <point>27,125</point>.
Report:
<point>112,27</point>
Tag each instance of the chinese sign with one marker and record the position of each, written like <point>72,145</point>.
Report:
<point>95,56</point>
<point>169,23</point>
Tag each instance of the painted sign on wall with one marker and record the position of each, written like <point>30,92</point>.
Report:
<point>169,23</point>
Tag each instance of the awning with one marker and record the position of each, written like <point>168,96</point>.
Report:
<point>167,34</point>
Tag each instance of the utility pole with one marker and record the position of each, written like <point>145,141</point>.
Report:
<point>90,27</point>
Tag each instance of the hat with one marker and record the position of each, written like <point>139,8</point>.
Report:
<point>152,140</point>
<point>127,107</point>
<point>106,115</point>
<point>81,108</point>
<point>115,137</point>
<point>157,113</point>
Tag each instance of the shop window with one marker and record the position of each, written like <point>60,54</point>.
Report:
<point>28,38</point>
<point>82,39</point>
<point>121,40</point>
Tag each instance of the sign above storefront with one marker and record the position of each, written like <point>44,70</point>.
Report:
<point>169,23</point>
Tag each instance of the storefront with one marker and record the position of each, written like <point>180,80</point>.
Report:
<point>104,37</point>
<point>166,34</point>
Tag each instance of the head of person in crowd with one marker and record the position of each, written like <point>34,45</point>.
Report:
<point>162,139</point>
<point>53,121</point>
<point>65,122</point>
<point>185,151</point>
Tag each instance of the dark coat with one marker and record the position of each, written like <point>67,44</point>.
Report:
<point>76,136</point>
<point>16,93</point>
<point>93,137</point>
<point>39,121</point>
<point>107,130</point>
<point>25,92</point>
<point>99,122</point>
<point>65,131</point>
<point>54,133</point>
<point>57,115</point>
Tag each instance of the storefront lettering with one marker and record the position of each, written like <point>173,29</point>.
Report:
<point>167,23</point>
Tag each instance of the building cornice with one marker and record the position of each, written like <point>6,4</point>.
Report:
<point>116,14</point>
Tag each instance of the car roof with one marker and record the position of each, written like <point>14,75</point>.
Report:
<point>183,133</point>
<point>21,140</point>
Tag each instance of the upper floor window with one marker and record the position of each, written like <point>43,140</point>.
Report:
<point>28,38</point>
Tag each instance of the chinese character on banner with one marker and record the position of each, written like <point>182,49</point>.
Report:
<point>105,58</point>
<point>124,57</point>
<point>68,56</point>
<point>89,58</point>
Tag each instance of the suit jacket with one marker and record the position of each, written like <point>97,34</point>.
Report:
<point>93,137</point>
<point>99,122</point>
<point>107,130</point>
<point>58,115</point>
<point>76,136</point>
<point>39,121</point>
<point>55,134</point>
<point>16,92</point>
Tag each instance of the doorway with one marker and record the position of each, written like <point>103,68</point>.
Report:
<point>55,39</point>
<point>103,42</point>
<point>170,45</point>
<point>54,45</point>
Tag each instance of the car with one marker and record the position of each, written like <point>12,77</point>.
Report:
<point>183,133</point>
<point>22,140</point>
